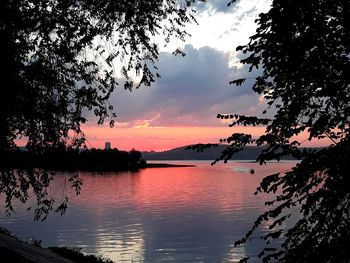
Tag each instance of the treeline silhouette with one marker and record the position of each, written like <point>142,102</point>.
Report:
<point>72,159</point>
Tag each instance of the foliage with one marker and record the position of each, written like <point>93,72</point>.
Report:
<point>60,61</point>
<point>303,49</point>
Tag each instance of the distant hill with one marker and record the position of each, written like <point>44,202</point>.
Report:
<point>181,153</point>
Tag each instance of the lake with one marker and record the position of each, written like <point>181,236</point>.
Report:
<point>178,214</point>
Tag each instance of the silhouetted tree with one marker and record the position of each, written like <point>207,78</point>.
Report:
<point>303,51</point>
<point>60,59</point>
<point>135,159</point>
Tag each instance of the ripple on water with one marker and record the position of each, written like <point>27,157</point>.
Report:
<point>156,215</point>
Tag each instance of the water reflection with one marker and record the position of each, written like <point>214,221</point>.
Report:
<point>189,214</point>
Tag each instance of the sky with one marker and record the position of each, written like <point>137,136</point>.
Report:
<point>180,108</point>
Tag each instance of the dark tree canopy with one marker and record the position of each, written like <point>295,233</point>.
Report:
<point>60,60</point>
<point>303,49</point>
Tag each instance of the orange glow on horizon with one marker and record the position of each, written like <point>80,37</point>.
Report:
<point>165,138</point>
<point>150,138</point>
<point>160,138</point>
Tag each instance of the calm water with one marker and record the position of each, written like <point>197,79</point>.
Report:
<point>191,214</point>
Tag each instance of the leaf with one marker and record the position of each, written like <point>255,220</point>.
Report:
<point>238,82</point>
<point>231,2</point>
<point>179,52</point>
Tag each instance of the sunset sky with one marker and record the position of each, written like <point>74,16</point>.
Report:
<point>180,108</point>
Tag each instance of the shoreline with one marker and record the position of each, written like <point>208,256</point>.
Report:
<point>22,251</point>
<point>167,165</point>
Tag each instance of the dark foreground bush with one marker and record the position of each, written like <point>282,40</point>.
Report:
<point>78,257</point>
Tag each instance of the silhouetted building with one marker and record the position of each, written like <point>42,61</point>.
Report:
<point>107,145</point>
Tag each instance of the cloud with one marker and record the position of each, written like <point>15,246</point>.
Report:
<point>192,90</point>
<point>221,27</point>
<point>241,9</point>
<point>146,123</point>
<point>217,6</point>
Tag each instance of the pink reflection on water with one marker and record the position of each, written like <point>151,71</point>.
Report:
<point>155,190</point>
<point>135,216</point>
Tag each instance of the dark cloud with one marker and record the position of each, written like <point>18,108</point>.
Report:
<point>191,91</point>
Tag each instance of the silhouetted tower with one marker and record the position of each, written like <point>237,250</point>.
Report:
<point>107,145</point>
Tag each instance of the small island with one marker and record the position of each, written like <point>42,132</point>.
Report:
<point>68,159</point>
<point>165,165</point>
